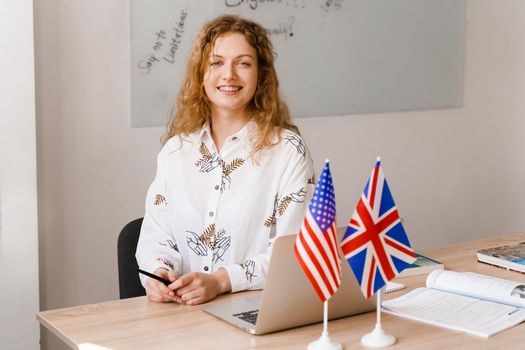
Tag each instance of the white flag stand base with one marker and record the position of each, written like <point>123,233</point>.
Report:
<point>324,343</point>
<point>378,338</point>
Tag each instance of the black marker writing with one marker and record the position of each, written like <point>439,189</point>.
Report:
<point>178,31</point>
<point>145,64</point>
<point>164,45</point>
<point>252,3</point>
<point>335,4</point>
<point>161,34</point>
<point>285,29</point>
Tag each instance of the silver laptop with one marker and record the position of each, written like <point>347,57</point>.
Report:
<point>288,299</point>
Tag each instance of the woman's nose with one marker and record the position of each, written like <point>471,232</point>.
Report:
<point>229,72</point>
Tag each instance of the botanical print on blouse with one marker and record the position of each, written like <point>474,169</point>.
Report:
<point>207,210</point>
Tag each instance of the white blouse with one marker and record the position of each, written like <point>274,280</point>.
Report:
<point>207,210</point>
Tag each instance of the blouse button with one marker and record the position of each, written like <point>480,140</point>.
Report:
<point>206,268</point>
<point>234,138</point>
<point>216,187</point>
<point>211,213</point>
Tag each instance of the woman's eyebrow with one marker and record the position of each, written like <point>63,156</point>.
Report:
<point>246,55</point>
<point>239,56</point>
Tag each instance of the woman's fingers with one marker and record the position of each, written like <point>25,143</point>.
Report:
<point>157,291</point>
<point>193,288</point>
<point>196,297</point>
<point>182,281</point>
<point>197,288</point>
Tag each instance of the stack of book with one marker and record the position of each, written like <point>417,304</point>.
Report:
<point>511,257</point>
<point>422,266</point>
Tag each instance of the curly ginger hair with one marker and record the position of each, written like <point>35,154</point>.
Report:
<point>267,109</point>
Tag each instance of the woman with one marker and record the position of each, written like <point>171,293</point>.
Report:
<point>233,172</point>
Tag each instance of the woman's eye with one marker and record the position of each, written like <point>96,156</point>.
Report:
<point>244,63</point>
<point>215,63</point>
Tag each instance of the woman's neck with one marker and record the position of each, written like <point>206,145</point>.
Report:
<point>225,125</point>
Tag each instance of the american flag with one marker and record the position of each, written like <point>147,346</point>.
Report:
<point>316,244</point>
<point>375,243</point>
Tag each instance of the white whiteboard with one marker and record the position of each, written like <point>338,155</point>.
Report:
<point>334,57</point>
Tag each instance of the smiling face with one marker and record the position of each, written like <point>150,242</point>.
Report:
<point>230,79</point>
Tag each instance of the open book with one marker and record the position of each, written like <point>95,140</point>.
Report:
<point>464,301</point>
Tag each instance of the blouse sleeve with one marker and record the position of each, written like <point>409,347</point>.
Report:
<point>156,246</point>
<point>296,189</point>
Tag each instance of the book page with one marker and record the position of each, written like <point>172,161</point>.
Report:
<point>478,286</point>
<point>457,312</point>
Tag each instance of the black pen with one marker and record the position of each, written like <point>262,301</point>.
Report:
<point>155,277</point>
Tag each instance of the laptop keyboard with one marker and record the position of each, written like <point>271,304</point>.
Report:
<point>248,316</point>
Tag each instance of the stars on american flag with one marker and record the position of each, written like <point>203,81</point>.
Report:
<point>322,206</point>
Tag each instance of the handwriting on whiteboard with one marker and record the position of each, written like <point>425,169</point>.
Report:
<point>165,45</point>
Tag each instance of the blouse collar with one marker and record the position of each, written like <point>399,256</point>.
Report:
<point>247,135</point>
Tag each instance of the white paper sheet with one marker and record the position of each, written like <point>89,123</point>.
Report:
<point>457,312</point>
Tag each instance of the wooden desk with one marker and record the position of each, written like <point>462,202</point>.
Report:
<point>138,324</point>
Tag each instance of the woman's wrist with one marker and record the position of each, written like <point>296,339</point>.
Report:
<point>223,279</point>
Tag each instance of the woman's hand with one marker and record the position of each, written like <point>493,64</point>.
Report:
<point>196,287</point>
<point>157,291</point>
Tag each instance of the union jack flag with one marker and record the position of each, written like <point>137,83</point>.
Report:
<point>375,243</point>
<point>316,244</point>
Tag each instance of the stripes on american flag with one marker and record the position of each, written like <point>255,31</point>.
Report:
<point>375,243</point>
<point>316,244</point>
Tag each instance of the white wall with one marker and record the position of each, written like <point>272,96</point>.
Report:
<point>18,193</point>
<point>456,174</point>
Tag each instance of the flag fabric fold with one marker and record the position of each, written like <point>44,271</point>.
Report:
<point>316,247</point>
<point>375,243</point>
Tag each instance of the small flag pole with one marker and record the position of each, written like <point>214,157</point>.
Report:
<point>320,224</point>
<point>378,338</point>
<point>325,342</point>
<point>376,199</point>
